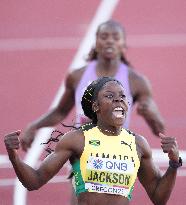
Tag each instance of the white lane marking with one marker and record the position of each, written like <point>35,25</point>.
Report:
<point>64,178</point>
<point>157,40</point>
<point>44,43</point>
<point>52,43</point>
<point>159,157</point>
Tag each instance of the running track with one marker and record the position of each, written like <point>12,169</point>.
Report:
<point>38,40</point>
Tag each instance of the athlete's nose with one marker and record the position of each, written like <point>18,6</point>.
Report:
<point>110,40</point>
<point>122,100</point>
<point>118,99</point>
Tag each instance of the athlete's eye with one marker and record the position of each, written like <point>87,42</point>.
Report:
<point>116,37</point>
<point>123,96</point>
<point>109,96</point>
<point>103,36</point>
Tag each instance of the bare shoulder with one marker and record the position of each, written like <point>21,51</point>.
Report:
<point>72,140</point>
<point>143,146</point>
<point>138,78</point>
<point>74,77</point>
<point>139,84</point>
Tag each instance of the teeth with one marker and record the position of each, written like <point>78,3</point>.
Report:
<point>109,50</point>
<point>118,112</point>
<point>118,109</point>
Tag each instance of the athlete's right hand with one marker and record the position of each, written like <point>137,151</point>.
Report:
<point>12,141</point>
<point>27,138</point>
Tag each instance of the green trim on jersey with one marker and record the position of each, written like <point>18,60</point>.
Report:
<point>79,184</point>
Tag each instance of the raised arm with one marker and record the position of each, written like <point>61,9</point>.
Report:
<point>31,178</point>
<point>158,186</point>
<point>53,116</point>
<point>146,106</point>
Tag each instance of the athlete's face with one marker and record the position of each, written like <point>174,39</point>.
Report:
<point>110,41</point>
<point>112,104</point>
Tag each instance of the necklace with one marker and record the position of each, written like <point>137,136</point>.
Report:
<point>109,132</point>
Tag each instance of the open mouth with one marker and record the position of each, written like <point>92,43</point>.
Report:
<point>118,112</point>
<point>109,50</point>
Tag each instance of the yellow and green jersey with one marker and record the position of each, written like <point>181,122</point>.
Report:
<point>108,164</point>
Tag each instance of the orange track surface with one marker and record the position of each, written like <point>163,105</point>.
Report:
<point>30,78</point>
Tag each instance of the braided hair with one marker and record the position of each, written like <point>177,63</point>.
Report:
<point>93,53</point>
<point>90,95</point>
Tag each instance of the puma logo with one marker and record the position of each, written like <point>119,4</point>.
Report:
<point>129,145</point>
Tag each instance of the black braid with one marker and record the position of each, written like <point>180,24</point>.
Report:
<point>54,137</point>
<point>87,101</point>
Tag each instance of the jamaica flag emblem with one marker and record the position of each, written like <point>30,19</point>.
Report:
<point>94,142</point>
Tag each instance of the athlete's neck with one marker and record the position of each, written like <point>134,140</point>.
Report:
<point>107,67</point>
<point>109,130</point>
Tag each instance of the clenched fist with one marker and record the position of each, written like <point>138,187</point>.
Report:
<point>169,146</point>
<point>12,141</point>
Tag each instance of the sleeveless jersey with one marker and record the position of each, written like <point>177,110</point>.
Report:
<point>108,164</point>
<point>90,75</point>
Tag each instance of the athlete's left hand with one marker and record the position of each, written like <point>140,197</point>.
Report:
<point>169,145</point>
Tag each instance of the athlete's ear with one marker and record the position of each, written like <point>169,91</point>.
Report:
<point>95,106</point>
